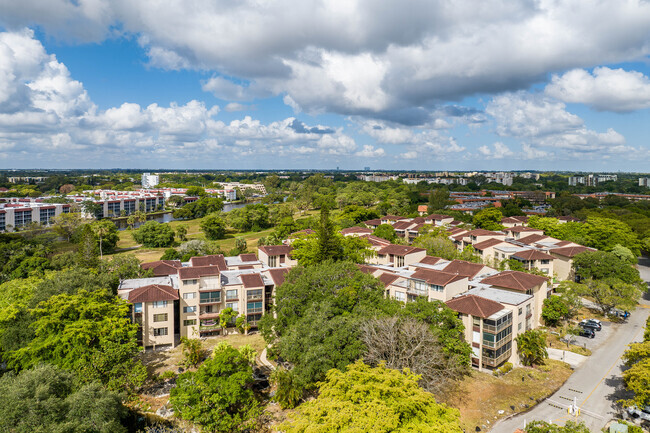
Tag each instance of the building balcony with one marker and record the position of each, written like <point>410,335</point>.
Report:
<point>209,301</point>
<point>496,329</point>
<point>254,298</point>
<point>497,344</point>
<point>209,288</point>
<point>495,362</point>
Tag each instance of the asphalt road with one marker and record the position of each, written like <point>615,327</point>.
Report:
<point>597,384</point>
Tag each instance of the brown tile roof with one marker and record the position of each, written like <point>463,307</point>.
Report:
<point>562,243</point>
<point>213,260</point>
<point>251,280</point>
<point>276,250</point>
<point>474,306</point>
<point>367,269</point>
<point>402,225</point>
<point>569,251</point>
<point>437,217</point>
<point>387,278</point>
<point>510,220</point>
<point>520,229</point>
<point>430,260</point>
<point>399,250</point>
<point>439,278</point>
<point>418,220</point>
<point>153,292</point>
<point>163,267</point>
<point>466,269</point>
<point>455,230</point>
<point>196,272</point>
<point>376,241</point>
<point>351,230</point>
<point>482,232</point>
<point>532,255</point>
<point>531,239</point>
<point>522,218</point>
<point>487,244</point>
<point>392,218</point>
<point>250,257</point>
<point>242,267</point>
<point>278,275</point>
<point>515,280</point>
<point>375,222</point>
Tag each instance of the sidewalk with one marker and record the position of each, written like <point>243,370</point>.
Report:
<point>573,359</point>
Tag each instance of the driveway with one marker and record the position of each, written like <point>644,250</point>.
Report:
<point>597,384</point>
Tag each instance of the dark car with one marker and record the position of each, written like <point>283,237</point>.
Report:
<point>591,323</point>
<point>587,332</point>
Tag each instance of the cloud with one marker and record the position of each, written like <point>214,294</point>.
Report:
<point>386,61</point>
<point>369,151</point>
<point>301,128</point>
<point>605,89</point>
<point>542,122</point>
<point>236,106</point>
<point>500,151</point>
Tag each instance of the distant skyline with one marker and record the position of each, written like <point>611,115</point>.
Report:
<point>437,85</point>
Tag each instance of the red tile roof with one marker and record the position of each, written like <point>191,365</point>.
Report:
<point>375,222</point>
<point>153,292</point>
<point>251,280</point>
<point>464,268</point>
<point>376,241</point>
<point>278,276</point>
<point>437,217</point>
<point>196,272</point>
<point>439,278</point>
<point>399,250</point>
<point>213,260</point>
<point>387,278</point>
<point>482,232</point>
<point>570,251</point>
<point>351,230</point>
<point>402,225</point>
<point>163,267</point>
<point>276,250</point>
<point>520,229</point>
<point>474,306</point>
<point>531,239</point>
<point>515,280</point>
<point>422,208</point>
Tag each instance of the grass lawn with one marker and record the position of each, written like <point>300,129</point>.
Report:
<point>554,341</point>
<point>481,396</point>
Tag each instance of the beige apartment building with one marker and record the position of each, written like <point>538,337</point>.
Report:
<point>153,312</point>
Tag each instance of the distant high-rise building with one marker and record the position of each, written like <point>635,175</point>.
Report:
<point>366,168</point>
<point>644,181</point>
<point>149,180</point>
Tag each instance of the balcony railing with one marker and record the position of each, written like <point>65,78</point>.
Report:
<point>209,327</point>
<point>254,297</point>
<point>497,344</point>
<point>495,362</point>
<point>210,301</point>
<point>496,329</point>
<point>208,287</point>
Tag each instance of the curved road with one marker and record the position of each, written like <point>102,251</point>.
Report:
<point>597,384</point>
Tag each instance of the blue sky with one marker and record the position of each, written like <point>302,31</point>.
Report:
<point>324,84</point>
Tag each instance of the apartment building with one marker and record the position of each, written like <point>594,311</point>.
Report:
<point>276,256</point>
<point>149,180</point>
<point>398,255</point>
<point>17,214</point>
<point>563,265</point>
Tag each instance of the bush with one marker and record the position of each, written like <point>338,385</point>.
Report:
<point>214,227</point>
<point>289,390</point>
<point>154,235</point>
<point>171,254</point>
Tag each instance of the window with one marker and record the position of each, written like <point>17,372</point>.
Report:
<point>545,262</point>
<point>400,296</point>
<point>190,322</point>
<point>233,305</point>
<point>399,261</point>
<point>191,309</point>
<point>476,321</point>
<point>159,304</point>
<point>157,332</point>
<point>273,261</point>
<point>190,281</point>
<point>519,326</point>
<point>521,311</point>
<point>189,295</point>
<point>254,307</point>
<point>160,317</point>
<point>254,294</point>
<point>210,297</point>
<point>231,294</point>
<point>137,307</point>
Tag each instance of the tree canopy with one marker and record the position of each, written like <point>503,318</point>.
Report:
<point>367,399</point>
<point>214,227</point>
<point>488,219</point>
<point>531,346</point>
<point>153,234</point>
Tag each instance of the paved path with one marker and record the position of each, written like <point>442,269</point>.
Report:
<point>265,361</point>
<point>573,359</point>
<point>597,384</point>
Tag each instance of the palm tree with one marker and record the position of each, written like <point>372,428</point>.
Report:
<point>531,346</point>
<point>100,230</point>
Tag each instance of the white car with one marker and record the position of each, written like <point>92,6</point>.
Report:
<point>635,412</point>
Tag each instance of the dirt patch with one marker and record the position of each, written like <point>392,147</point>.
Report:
<point>481,396</point>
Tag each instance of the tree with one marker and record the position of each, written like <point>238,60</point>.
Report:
<point>637,376</point>
<point>438,200</point>
<point>531,346</point>
<point>289,390</point>
<point>554,310</point>
<point>328,246</point>
<point>181,231</point>
<point>130,221</point>
<point>385,231</point>
<point>544,427</point>
<point>88,333</point>
<point>106,233</point>
<point>437,244</point>
<point>66,224</point>
<point>171,254</point>
<point>193,351</point>
<point>367,399</point>
<point>214,227</point>
<point>226,317</point>
<point>47,399</point>
<point>599,265</point>
<point>488,219</point>
<point>92,208</point>
<point>218,396</point>
<point>624,254</point>
<point>610,293</point>
<point>154,235</point>
<point>307,249</point>
<point>405,343</point>
<point>195,191</point>
<point>87,249</point>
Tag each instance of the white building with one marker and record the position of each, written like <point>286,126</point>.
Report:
<point>644,181</point>
<point>149,180</point>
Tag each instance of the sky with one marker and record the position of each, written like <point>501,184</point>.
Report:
<point>260,84</point>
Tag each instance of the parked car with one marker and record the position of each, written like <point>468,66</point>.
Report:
<point>587,332</point>
<point>635,412</point>
<point>591,323</point>
<point>619,313</point>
